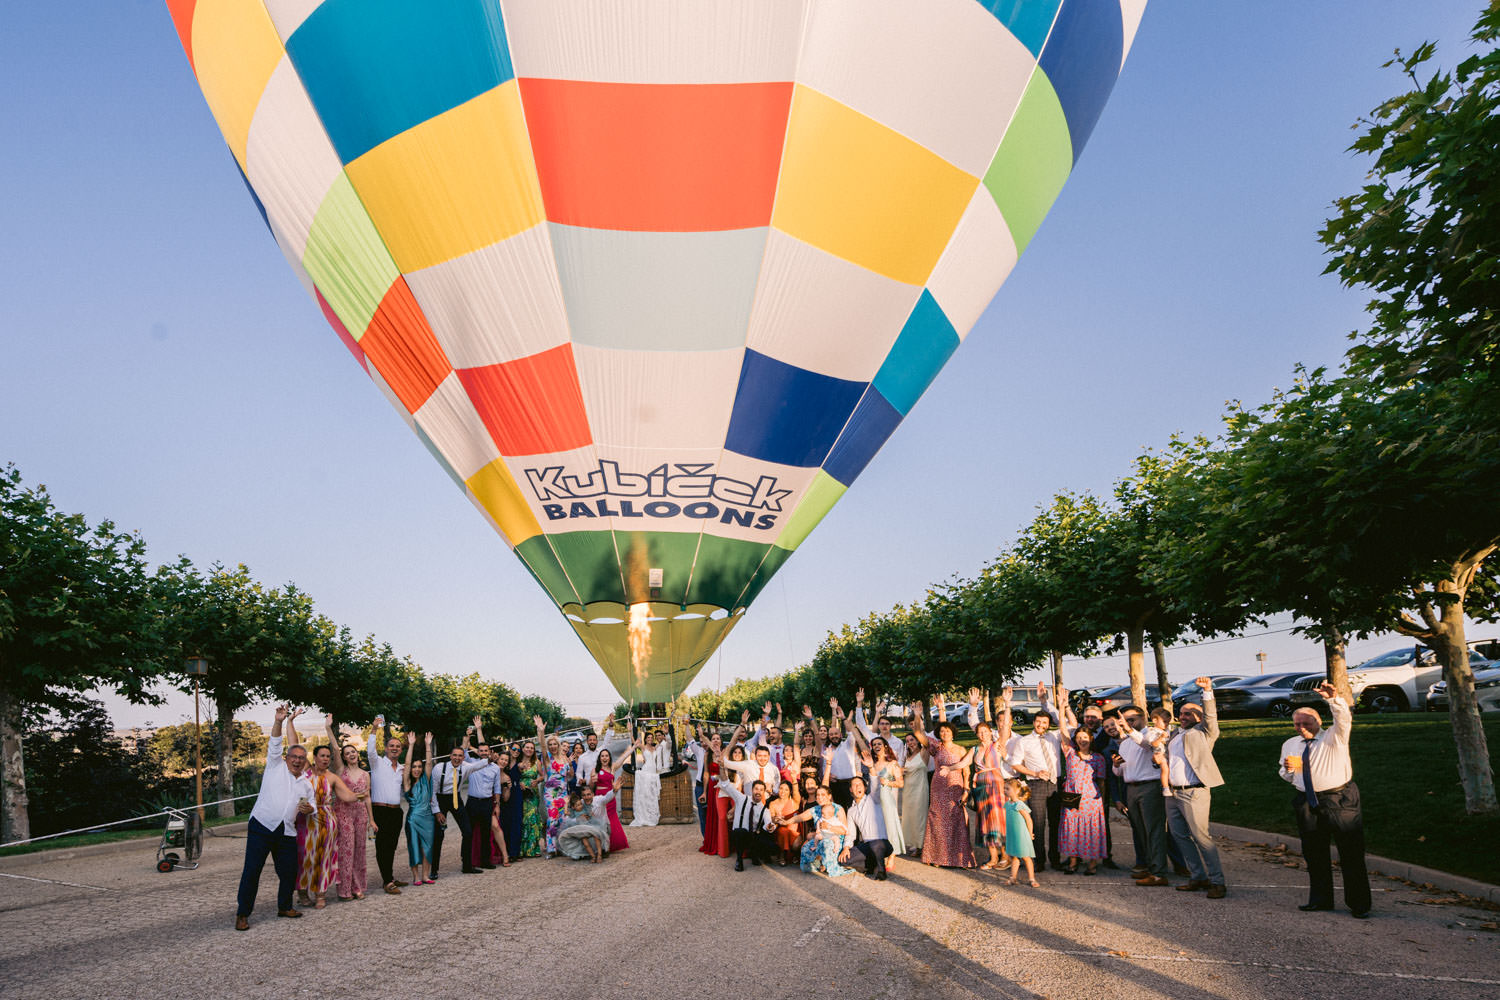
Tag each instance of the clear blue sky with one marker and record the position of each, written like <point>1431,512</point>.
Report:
<point>160,365</point>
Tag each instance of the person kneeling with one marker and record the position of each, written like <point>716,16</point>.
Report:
<point>867,830</point>
<point>754,825</point>
<point>584,829</point>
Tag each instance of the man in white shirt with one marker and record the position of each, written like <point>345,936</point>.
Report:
<point>866,831</point>
<point>760,769</point>
<point>752,827</point>
<point>285,791</point>
<point>1193,774</point>
<point>1316,763</point>
<point>1147,809</point>
<point>447,783</point>
<point>386,771</point>
<point>615,743</point>
<point>882,727</point>
<point>1037,757</point>
<point>845,763</point>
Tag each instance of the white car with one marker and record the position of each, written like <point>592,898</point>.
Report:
<point>1486,688</point>
<point>1398,681</point>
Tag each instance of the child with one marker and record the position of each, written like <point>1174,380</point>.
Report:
<point>1018,831</point>
<point>1157,734</point>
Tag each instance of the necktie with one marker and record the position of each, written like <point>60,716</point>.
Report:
<point>452,774</point>
<point>1307,780</point>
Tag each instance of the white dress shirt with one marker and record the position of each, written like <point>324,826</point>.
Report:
<point>385,777</point>
<point>748,814</point>
<point>846,762</point>
<point>1137,751</point>
<point>757,739</point>
<point>280,793</point>
<point>1179,772</point>
<point>753,772</point>
<point>865,820</point>
<point>1039,754</point>
<point>1330,762</point>
<point>898,747</point>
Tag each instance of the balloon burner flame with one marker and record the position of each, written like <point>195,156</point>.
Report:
<point>640,639</point>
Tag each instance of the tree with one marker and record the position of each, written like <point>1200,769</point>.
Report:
<point>77,613</point>
<point>257,642</point>
<point>78,771</point>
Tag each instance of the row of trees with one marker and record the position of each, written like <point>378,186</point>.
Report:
<point>1362,501</point>
<point>81,611</point>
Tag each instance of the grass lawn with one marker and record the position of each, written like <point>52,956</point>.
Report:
<point>152,828</point>
<point>1407,770</point>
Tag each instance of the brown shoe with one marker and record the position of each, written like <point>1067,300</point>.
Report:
<point>1196,885</point>
<point>390,887</point>
<point>1217,892</point>
<point>1152,880</point>
<point>241,923</point>
<point>400,883</point>
<point>293,914</point>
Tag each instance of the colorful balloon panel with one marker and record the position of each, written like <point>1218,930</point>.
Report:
<point>654,280</point>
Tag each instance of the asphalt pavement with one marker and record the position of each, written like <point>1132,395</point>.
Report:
<point>660,919</point>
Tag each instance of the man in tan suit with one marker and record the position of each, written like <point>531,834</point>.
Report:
<point>1192,773</point>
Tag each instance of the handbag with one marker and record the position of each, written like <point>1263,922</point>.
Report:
<point>1071,800</point>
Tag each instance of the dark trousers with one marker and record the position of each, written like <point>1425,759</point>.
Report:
<point>1046,808</point>
<point>1337,818</point>
<point>260,842</point>
<point>702,808</point>
<point>875,852</point>
<point>1148,822</point>
<point>465,831</point>
<point>839,788</point>
<point>388,823</point>
<point>759,846</point>
<point>478,852</point>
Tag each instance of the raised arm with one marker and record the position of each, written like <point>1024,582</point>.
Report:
<point>1004,717</point>
<point>292,739</point>
<point>336,765</point>
<point>343,791</point>
<point>860,725</point>
<point>479,730</point>
<point>411,746</point>
<point>542,753</point>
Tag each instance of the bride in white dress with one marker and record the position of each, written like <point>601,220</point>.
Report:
<point>651,758</point>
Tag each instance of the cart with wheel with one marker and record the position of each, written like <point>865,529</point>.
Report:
<point>181,842</point>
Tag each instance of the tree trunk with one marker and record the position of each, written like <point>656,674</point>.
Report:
<point>1336,668</point>
<point>1163,686</point>
<point>1463,710</point>
<point>226,757</point>
<point>15,816</point>
<point>1137,639</point>
<point>1057,675</point>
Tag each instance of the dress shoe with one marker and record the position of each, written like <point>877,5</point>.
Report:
<point>390,887</point>
<point>1152,880</point>
<point>293,914</point>
<point>739,865</point>
<point>1361,915</point>
<point>1217,892</point>
<point>400,884</point>
<point>241,923</point>
<point>1315,907</point>
<point>1196,885</point>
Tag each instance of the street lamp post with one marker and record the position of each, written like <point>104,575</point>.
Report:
<point>197,666</point>
<point>1260,661</point>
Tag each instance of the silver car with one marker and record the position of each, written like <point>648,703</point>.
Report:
<point>1486,688</point>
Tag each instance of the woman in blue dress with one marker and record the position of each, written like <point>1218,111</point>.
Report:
<point>419,822</point>
<point>830,832</point>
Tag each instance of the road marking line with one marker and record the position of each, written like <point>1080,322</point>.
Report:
<point>812,932</point>
<point>1187,959</point>
<point>55,881</point>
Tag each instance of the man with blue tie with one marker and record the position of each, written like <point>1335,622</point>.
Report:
<point>1316,763</point>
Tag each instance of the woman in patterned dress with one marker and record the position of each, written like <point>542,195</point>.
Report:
<point>989,794</point>
<point>820,852</point>
<point>355,820</point>
<point>606,779</point>
<point>1081,834</point>
<point>320,861</point>
<point>533,816</point>
<point>554,783</point>
<point>946,841</point>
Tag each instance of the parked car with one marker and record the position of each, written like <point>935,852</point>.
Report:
<point>1486,687</point>
<point>1184,693</point>
<point>1023,707</point>
<point>1118,697</point>
<point>1260,696</point>
<point>1397,681</point>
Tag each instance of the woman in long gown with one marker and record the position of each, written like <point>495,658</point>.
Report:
<point>651,760</point>
<point>554,783</point>
<point>354,823</point>
<point>585,826</point>
<point>820,852</point>
<point>417,788</point>
<point>1081,834</point>
<point>947,838</point>
<point>914,795</point>
<point>989,795</point>
<point>533,813</point>
<point>888,779</point>
<point>715,828</point>
<point>499,843</point>
<point>512,805</point>
<point>606,777</point>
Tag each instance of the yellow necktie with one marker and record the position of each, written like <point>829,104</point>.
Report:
<point>454,773</point>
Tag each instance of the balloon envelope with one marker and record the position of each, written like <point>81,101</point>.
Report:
<point>653,280</point>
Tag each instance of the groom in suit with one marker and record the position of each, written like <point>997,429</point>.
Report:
<point>1193,773</point>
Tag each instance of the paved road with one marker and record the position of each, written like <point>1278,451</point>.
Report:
<point>662,920</point>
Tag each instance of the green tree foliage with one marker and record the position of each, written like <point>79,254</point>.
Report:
<point>77,613</point>
<point>78,773</point>
<point>171,747</point>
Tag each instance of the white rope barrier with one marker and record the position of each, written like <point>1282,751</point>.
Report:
<point>121,822</point>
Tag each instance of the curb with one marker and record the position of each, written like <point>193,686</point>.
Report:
<point>1377,865</point>
<point>145,844</point>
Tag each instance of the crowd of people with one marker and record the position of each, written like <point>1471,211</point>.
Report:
<point>1002,799</point>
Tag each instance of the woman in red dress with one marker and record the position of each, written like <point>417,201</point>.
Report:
<point>605,779</point>
<point>715,829</point>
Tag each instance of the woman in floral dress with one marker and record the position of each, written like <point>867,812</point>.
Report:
<point>354,822</point>
<point>554,783</point>
<point>946,840</point>
<point>820,853</point>
<point>320,856</point>
<point>533,815</point>
<point>1081,834</point>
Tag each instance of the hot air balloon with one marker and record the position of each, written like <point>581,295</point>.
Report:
<point>653,280</point>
